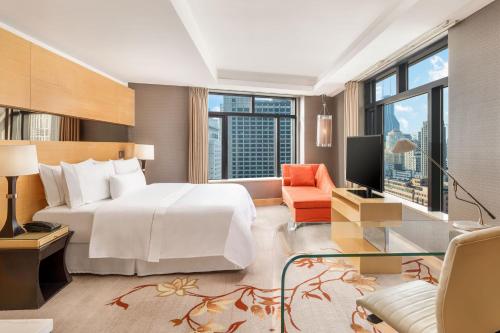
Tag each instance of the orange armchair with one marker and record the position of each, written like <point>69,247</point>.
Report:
<point>310,203</point>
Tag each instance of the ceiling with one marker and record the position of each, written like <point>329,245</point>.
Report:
<point>280,46</point>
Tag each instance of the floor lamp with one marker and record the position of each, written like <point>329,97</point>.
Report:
<point>406,145</point>
<point>17,160</point>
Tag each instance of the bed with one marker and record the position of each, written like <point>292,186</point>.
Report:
<point>160,229</point>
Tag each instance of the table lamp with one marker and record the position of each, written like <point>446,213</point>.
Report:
<point>17,160</point>
<point>406,145</point>
<point>144,153</point>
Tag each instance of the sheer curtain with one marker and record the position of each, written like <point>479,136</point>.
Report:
<point>198,135</point>
<point>351,116</point>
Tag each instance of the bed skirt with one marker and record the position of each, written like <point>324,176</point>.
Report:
<point>78,261</point>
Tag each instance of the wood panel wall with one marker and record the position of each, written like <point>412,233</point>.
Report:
<point>14,70</point>
<point>37,79</point>
<point>31,196</point>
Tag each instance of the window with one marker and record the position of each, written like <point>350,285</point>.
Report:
<point>411,101</point>
<point>429,69</point>
<point>385,87</point>
<point>406,174</point>
<point>445,150</point>
<point>250,136</point>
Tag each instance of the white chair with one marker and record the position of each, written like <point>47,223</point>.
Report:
<point>467,299</point>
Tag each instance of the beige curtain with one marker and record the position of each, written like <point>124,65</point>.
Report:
<point>198,135</point>
<point>69,129</point>
<point>351,116</point>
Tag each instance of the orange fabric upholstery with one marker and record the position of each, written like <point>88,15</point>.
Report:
<point>308,203</point>
<point>302,175</point>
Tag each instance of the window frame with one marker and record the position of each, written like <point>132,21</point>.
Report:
<point>374,113</point>
<point>225,128</point>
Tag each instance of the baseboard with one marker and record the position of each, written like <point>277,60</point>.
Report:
<point>268,202</point>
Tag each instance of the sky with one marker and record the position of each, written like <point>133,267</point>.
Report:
<point>411,113</point>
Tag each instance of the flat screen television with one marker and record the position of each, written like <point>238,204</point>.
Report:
<point>365,163</point>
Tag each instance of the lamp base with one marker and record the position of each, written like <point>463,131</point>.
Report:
<point>469,225</point>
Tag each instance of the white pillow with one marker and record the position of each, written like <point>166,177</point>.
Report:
<point>72,187</point>
<point>53,184</point>
<point>94,181</point>
<point>110,168</point>
<point>126,166</point>
<point>123,184</point>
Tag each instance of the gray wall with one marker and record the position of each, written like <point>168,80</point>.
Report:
<point>338,140</point>
<point>161,118</point>
<point>474,115</point>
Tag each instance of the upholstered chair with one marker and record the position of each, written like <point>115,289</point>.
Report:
<point>466,300</point>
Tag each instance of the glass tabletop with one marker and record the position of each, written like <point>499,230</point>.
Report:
<point>358,240</point>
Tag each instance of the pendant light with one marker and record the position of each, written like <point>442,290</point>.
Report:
<point>324,127</point>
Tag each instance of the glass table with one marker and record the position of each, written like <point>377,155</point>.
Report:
<point>362,240</point>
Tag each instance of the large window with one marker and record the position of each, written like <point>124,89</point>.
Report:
<point>250,136</point>
<point>410,101</point>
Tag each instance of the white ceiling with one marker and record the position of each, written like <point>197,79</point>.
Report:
<point>281,46</point>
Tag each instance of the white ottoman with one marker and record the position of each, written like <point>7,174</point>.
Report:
<point>27,325</point>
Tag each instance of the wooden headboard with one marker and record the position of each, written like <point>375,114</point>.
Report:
<point>31,197</point>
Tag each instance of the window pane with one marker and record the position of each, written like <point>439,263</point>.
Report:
<point>429,69</point>
<point>385,88</point>
<point>229,103</point>
<point>406,174</point>
<point>445,150</point>
<point>251,147</point>
<point>284,106</point>
<point>214,148</point>
<point>287,143</point>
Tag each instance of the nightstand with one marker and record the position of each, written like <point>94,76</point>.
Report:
<point>32,268</point>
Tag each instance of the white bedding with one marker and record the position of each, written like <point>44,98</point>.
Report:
<point>171,221</point>
<point>78,219</point>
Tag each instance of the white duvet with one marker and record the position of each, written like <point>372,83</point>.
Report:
<point>170,221</point>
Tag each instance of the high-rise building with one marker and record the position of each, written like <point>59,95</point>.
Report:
<point>253,140</point>
<point>423,137</point>
<point>215,148</point>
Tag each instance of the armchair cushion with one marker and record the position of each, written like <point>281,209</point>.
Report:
<point>408,308</point>
<point>305,197</point>
<point>302,175</point>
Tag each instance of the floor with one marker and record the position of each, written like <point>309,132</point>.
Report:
<point>321,296</point>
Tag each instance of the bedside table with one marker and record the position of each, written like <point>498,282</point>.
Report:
<point>32,268</point>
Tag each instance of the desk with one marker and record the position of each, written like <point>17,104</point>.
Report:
<point>406,239</point>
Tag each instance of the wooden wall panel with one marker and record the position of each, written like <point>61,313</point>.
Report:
<point>63,87</point>
<point>14,70</point>
<point>31,197</point>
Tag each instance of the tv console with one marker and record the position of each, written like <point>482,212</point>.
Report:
<point>351,214</point>
<point>366,194</point>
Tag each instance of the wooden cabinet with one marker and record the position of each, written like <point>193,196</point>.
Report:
<point>63,87</point>
<point>37,79</point>
<point>14,70</point>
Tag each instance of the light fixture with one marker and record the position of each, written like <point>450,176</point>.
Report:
<point>17,160</point>
<point>406,145</point>
<point>324,127</point>
<point>144,153</point>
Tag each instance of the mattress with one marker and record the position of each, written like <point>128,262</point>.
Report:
<point>77,219</point>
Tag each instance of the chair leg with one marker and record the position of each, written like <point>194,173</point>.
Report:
<point>372,318</point>
<point>292,226</point>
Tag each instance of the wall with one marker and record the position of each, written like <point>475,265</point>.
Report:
<point>338,140</point>
<point>474,116</point>
<point>161,118</point>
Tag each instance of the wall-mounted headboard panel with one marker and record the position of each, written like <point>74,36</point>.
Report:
<point>31,197</point>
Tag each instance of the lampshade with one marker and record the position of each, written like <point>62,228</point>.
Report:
<point>145,152</point>
<point>18,160</point>
<point>403,146</point>
<point>324,130</point>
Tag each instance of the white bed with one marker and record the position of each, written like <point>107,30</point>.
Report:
<point>160,229</point>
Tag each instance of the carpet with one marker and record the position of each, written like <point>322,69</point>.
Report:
<point>320,296</point>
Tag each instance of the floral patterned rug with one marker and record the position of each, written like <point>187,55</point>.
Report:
<point>320,296</point>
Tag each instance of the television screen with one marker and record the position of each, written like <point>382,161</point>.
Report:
<point>365,161</point>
